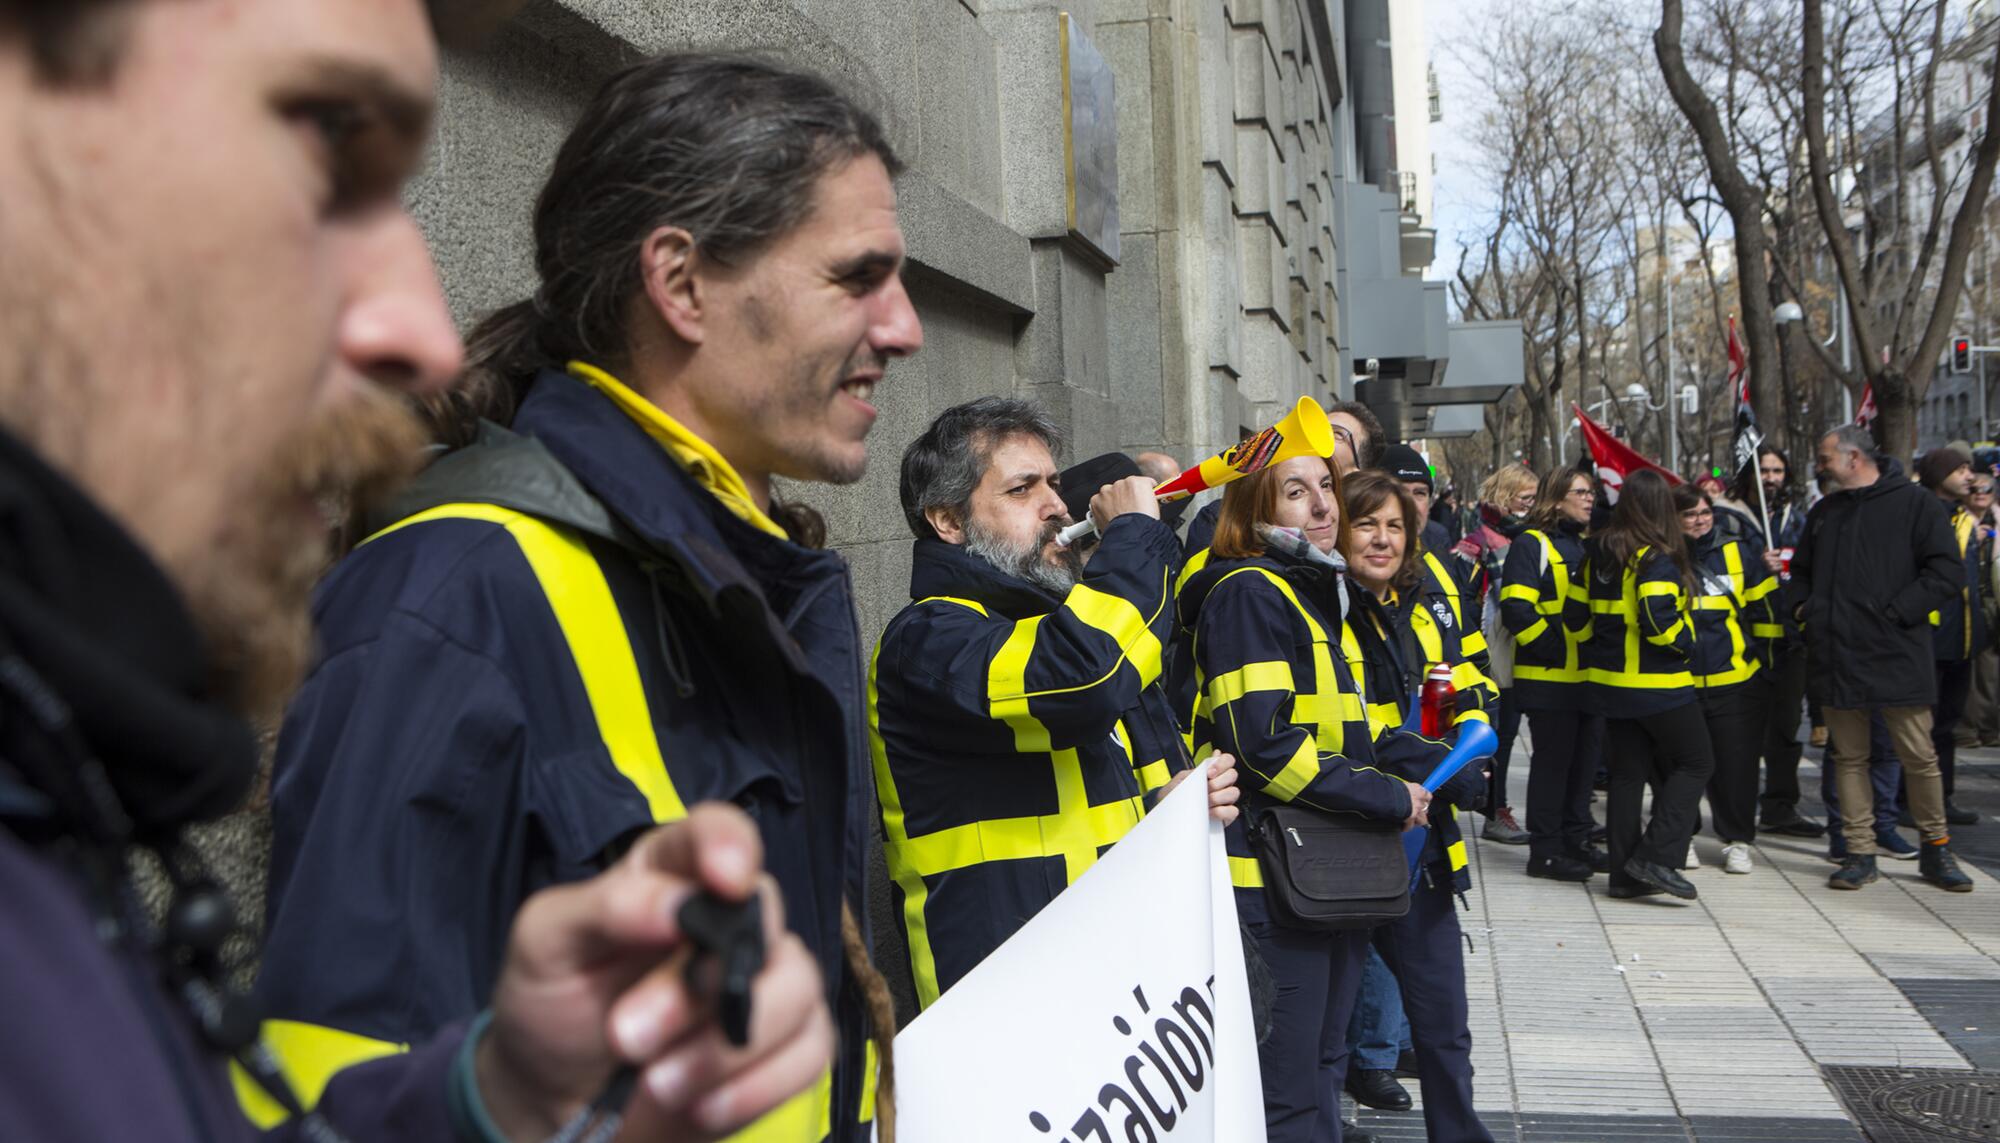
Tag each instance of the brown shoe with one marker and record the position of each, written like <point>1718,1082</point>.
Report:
<point>1819,736</point>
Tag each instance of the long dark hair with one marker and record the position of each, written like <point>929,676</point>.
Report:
<point>1645,517</point>
<point>730,148</point>
<point>1744,491</point>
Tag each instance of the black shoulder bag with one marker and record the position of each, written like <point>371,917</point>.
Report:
<point>1325,872</point>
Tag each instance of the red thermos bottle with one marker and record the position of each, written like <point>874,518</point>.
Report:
<point>1438,702</point>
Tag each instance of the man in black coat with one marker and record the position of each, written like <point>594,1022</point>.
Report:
<point>1876,559</point>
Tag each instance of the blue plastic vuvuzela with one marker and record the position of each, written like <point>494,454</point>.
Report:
<point>1476,740</point>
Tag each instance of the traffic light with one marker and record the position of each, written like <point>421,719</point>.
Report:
<point>1961,355</point>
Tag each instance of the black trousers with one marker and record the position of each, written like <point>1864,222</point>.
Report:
<point>1427,953</point>
<point>1507,727</point>
<point>1568,745</point>
<point>1669,751</point>
<point>1781,735</point>
<point>1317,976</point>
<point>1736,716</point>
<point>1954,686</point>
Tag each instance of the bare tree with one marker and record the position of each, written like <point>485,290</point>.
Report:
<point>1883,305</point>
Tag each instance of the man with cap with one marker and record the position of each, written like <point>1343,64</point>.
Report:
<point>1408,465</point>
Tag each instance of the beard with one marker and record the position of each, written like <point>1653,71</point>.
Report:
<point>1025,560</point>
<point>250,595</point>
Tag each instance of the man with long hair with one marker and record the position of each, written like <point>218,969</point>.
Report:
<point>594,612</point>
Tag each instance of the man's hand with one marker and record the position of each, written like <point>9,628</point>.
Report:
<point>1222,788</point>
<point>1132,494</point>
<point>593,980</point>
<point>1774,561</point>
<point>1420,807</point>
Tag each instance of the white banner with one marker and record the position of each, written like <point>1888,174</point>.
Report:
<point>1119,1014</point>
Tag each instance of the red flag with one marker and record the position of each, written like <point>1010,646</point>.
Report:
<point>1738,373</point>
<point>1866,416</point>
<point>1613,458</point>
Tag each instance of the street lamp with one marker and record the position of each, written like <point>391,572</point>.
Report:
<point>1638,396</point>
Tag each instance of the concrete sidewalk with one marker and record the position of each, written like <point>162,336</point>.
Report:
<point>1717,1020</point>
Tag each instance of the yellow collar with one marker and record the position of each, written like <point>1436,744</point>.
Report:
<point>697,456</point>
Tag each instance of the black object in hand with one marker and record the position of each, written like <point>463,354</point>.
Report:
<point>732,933</point>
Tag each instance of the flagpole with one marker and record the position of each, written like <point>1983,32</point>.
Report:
<point>1763,510</point>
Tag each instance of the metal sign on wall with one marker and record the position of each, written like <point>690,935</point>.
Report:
<point>1090,144</point>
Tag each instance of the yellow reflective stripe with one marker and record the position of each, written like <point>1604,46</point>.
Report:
<point>1474,642</point>
<point>1006,687</point>
<point>1712,603</point>
<point>1533,631</point>
<point>971,603</point>
<point>1767,630</point>
<point>871,1065</point>
<point>1118,618</point>
<point>1153,775</point>
<point>1327,712</point>
<point>1666,638</point>
<point>1193,564</point>
<point>1298,773</point>
<point>1465,677</point>
<point>1638,680</point>
<point>923,963</point>
<point>1524,592</point>
<point>1739,671</point>
<point>1647,590</point>
<point>1273,675</point>
<point>806,1116</point>
<point>575,587</point>
<point>310,1055</point>
<point>1447,585</point>
<point>1244,873</point>
<point>1384,714</point>
<point>1473,715</point>
<point>1456,852</point>
<point>1760,590</point>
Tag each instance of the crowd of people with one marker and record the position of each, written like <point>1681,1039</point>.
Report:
<point>580,754</point>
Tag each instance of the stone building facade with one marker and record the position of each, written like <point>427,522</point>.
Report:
<point>1232,137</point>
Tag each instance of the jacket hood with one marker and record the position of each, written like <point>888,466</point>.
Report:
<point>1894,475</point>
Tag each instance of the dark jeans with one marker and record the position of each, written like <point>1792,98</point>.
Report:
<point>1378,1031</point>
<point>1954,686</point>
<point>1507,727</point>
<point>1426,952</point>
<point>1736,716</point>
<point>1568,745</point>
<point>1317,976</point>
<point>1669,751</point>
<point>1781,736</point>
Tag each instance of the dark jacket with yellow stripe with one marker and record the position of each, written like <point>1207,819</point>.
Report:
<point>1535,585</point>
<point>1734,612</point>
<point>1274,690</point>
<point>1958,629</point>
<point>566,640</point>
<point>1391,645</point>
<point>1637,641</point>
<point>1014,733</point>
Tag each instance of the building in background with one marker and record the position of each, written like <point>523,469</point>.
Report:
<point>1152,216</point>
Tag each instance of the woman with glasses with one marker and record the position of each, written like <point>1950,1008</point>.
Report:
<point>1398,629</point>
<point>1505,499</point>
<point>1535,583</point>
<point>1264,616</point>
<point>1734,621</point>
<point>1637,648</point>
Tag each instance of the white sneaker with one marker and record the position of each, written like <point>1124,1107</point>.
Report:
<point>1736,858</point>
<point>1694,859</point>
